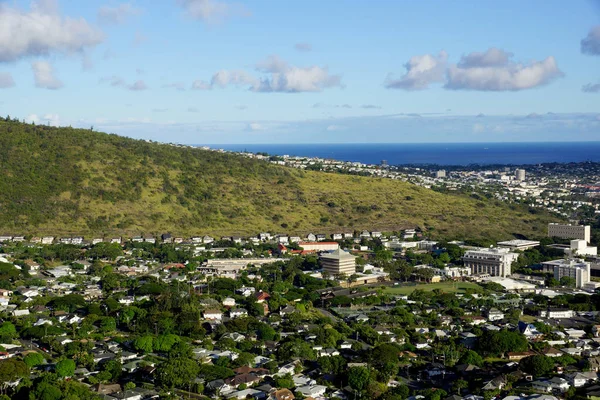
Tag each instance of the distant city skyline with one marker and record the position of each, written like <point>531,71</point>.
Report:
<point>216,71</point>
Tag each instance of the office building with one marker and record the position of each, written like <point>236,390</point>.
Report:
<point>569,231</point>
<point>440,173</point>
<point>338,262</point>
<point>494,261</point>
<point>577,269</point>
<point>520,174</point>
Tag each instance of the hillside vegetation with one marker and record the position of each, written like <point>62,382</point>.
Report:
<point>74,181</point>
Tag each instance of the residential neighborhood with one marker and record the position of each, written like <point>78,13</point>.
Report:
<point>388,315</point>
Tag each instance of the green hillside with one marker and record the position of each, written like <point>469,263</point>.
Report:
<point>73,181</point>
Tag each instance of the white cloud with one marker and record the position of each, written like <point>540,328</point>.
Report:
<point>42,31</point>
<point>324,105</point>
<point>211,11</point>
<point>43,74</point>
<point>493,57</point>
<point>494,71</point>
<point>333,128</point>
<point>224,78</point>
<point>254,126</point>
<point>277,76</point>
<point>117,81</point>
<point>47,119</point>
<point>421,71</point>
<point>200,85</point>
<point>295,79</point>
<point>591,43</point>
<point>117,15</point>
<point>303,46</point>
<point>282,77</point>
<point>272,64</point>
<point>370,107</point>
<point>193,109</point>
<point>6,80</point>
<point>113,80</point>
<point>51,119</point>
<point>591,88</point>
<point>138,85</point>
<point>32,119</point>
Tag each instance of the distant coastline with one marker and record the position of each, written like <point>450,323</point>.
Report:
<point>443,154</point>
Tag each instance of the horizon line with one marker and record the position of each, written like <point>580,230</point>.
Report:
<point>387,143</point>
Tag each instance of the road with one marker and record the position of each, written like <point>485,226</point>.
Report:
<point>327,314</point>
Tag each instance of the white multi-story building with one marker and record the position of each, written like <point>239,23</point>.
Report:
<point>495,315</point>
<point>557,313</point>
<point>440,173</point>
<point>579,247</point>
<point>520,174</point>
<point>494,261</point>
<point>574,268</point>
<point>338,262</point>
<point>569,231</point>
<point>456,272</point>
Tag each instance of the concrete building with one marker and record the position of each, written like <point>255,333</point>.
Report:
<point>574,268</point>
<point>518,244</point>
<point>456,272</point>
<point>557,313</point>
<point>520,174</point>
<point>569,231</point>
<point>440,173</point>
<point>338,262</point>
<point>319,246</point>
<point>579,247</point>
<point>512,285</point>
<point>495,261</point>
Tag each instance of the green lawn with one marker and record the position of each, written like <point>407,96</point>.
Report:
<point>455,287</point>
<point>527,318</point>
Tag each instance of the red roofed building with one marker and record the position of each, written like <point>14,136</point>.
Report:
<point>303,252</point>
<point>282,249</point>
<point>261,296</point>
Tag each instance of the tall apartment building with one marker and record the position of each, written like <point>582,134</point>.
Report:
<point>338,262</point>
<point>495,261</point>
<point>440,173</point>
<point>569,231</point>
<point>520,174</point>
<point>573,268</point>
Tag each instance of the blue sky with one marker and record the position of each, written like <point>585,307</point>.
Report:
<point>215,71</point>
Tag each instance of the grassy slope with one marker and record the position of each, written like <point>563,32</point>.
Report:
<point>64,180</point>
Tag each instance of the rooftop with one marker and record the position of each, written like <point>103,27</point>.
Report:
<point>338,254</point>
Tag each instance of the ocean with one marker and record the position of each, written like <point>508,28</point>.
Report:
<point>435,153</point>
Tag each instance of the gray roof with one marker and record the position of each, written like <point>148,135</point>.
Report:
<point>338,254</point>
